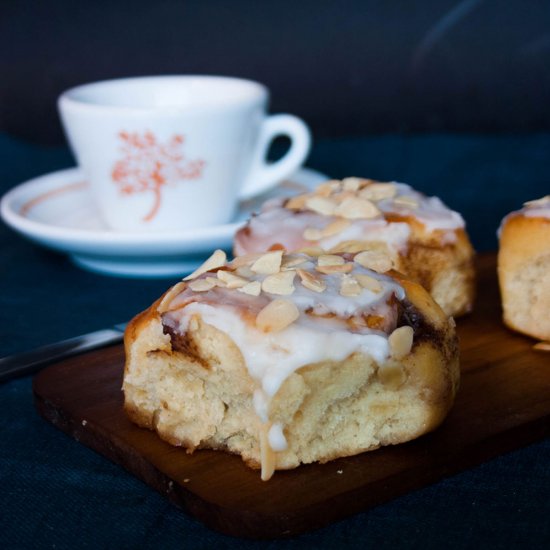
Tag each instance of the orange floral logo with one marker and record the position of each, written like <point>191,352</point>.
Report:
<point>148,166</point>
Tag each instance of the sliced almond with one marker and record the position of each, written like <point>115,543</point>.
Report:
<point>177,289</point>
<point>298,202</point>
<point>335,227</point>
<point>268,263</point>
<point>291,260</point>
<point>321,205</point>
<point>400,341</point>
<point>349,246</point>
<point>378,191</point>
<point>375,260</point>
<point>355,208</point>
<point>231,280</point>
<point>215,281</point>
<point>201,285</point>
<point>277,315</point>
<point>244,271</point>
<point>313,251</point>
<point>349,286</point>
<point>368,282</point>
<point>405,200</point>
<point>246,259</point>
<point>312,234</point>
<point>253,288</point>
<point>310,281</point>
<point>331,269</point>
<point>341,196</point>
<point>330,259</point>
<point>354,247</point>
<point>326,189</point>
<point>279,283</point>
<point>352,184</point>
<point>217,259</point>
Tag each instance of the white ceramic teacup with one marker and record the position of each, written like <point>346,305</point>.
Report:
<point>176,152</point>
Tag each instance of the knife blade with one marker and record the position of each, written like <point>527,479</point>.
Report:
<point>32,361</point>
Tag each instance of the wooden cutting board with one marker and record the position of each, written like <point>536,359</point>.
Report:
<point>503,403</point>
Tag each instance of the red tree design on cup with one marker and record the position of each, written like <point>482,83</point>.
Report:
<point>148,166</point>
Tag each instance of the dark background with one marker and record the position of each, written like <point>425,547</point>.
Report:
<point>451,96</point>
<point>347,67</point>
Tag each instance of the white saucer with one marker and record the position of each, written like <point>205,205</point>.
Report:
<point>55,211</point>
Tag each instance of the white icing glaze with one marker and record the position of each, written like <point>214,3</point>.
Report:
<point>537,213</point>
<point>431,211</point>
<point>276,437</point>
<point>277,224</point>
<point>261,404</point>
<point>272,357</point>
<point>395,234</point>
<point>537,209</point>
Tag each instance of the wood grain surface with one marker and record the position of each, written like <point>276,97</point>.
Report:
<point>503,403</point>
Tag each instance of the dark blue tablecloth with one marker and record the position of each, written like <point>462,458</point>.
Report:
<point>55,493</point>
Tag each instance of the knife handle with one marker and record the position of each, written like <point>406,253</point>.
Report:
<point>28,362</point>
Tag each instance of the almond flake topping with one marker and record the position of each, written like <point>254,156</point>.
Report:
<point>298,202</point>
<point>254,288</point>
<point>321,205</point>
<point>312,234</point>
<point>326,189</point>
<point>349,286</point>
<point>330,259</point>
<point>352,184</point>
<point>311,282</point>
<point>330,269</point>
<point>170,295</point>
<point>268,263</point>
<point>279,283</point>
<point>375,260</point>
<point>244,271</point>
<point>544,201</point>
<point>378,191</point>
<point>341,196</point>
<point>230,279</point>
<point>400,341</point>
<point>354,208</point>
<point>350,246</point>
<point>246,259</point>
<point>215,281</point>
<point>201,285</point>
<point>313,251</point>
<point>290,261</point>
<point>277,315</point>
<point>217,259</point>
<point>368,282</point>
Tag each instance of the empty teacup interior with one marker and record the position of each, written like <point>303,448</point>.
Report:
<point>160,92</point>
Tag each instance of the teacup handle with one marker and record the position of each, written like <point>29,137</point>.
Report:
<point>263,176</point>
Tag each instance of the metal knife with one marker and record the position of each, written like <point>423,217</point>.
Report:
<point>28,362</point>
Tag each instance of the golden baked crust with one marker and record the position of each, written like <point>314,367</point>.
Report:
<point>524,274</point>
<point>195,390</point>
